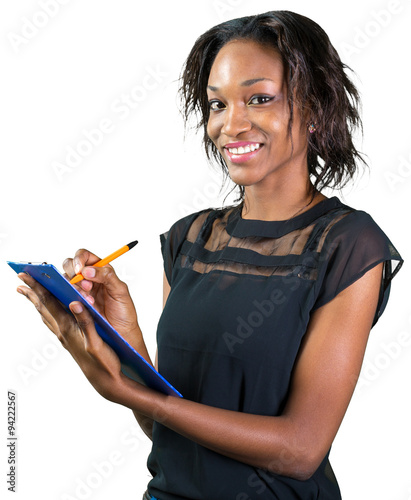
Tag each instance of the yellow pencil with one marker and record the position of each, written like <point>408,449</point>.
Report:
<point>106,260</point>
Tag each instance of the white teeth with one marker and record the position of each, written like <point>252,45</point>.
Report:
<point>242,150</point>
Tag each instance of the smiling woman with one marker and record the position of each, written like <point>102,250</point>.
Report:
<point>247,93</point>
<point>268,304</point>
<point>313,79</point>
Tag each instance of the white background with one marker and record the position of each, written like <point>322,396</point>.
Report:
<point>65,71</point>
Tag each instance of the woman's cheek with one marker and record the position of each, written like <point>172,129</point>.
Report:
<point>210,130</point>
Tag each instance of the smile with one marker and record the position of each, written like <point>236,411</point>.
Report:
<point>241,152</point>
<point>243,149</point>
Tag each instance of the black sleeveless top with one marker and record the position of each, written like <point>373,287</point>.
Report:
<point>242,292</point>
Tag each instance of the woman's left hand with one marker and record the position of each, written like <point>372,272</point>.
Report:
<point>78,335</point>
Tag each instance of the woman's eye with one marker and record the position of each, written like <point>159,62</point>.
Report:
<point>260,99</point>
<point>215,105</point>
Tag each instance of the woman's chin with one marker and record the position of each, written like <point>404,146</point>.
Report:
<point>243,178</point>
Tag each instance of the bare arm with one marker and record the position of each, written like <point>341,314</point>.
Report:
<point>327,369</point>
<point>292,444</point>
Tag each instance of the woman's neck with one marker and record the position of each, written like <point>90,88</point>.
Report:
<point>280,204</point>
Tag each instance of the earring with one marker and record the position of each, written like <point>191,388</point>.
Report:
<point>311,128</point>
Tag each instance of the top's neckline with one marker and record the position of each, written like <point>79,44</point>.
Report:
<point>241,228</point>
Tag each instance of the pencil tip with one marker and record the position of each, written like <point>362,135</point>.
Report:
<point>132,244</point>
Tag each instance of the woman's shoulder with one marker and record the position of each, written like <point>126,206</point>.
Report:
<point>184,230</point>
<point>352,244</point>
<point>348,226</point>
<point>191,224</point>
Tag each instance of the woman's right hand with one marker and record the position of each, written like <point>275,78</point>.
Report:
<point>109,296</point>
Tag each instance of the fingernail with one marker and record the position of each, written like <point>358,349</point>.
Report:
<point>77,308</point>
<point>89,272</point>
<point>20,291</point>
<point>77,267</point>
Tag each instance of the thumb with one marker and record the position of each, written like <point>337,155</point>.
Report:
<point>107,277</point>
<point>86,323</point>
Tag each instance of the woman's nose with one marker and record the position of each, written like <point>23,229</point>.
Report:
<point>236,121</point>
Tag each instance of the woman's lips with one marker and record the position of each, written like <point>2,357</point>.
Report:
<point>239,152</point>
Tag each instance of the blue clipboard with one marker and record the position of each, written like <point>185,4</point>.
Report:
<point>132,363</point>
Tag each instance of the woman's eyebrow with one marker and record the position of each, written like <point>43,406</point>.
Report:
<point>246,83</point>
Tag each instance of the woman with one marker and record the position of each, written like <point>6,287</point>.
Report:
<point>268,304</point>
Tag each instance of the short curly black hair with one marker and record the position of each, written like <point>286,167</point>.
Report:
<point>317,81</point>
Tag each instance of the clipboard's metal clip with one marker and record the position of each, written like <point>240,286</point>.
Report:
<point>35,263</point>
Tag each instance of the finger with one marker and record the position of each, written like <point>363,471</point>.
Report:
<point>83,291</point>
<point>93,341</point>
<point>83,258</point>
<point>68,267</point>
<point>42,299</point>
<point>69,273</point>
<point>106,276</point>
<point>85,285</point>
<point>47,318</point>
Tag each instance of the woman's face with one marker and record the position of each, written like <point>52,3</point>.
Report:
<point>249,116</point>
